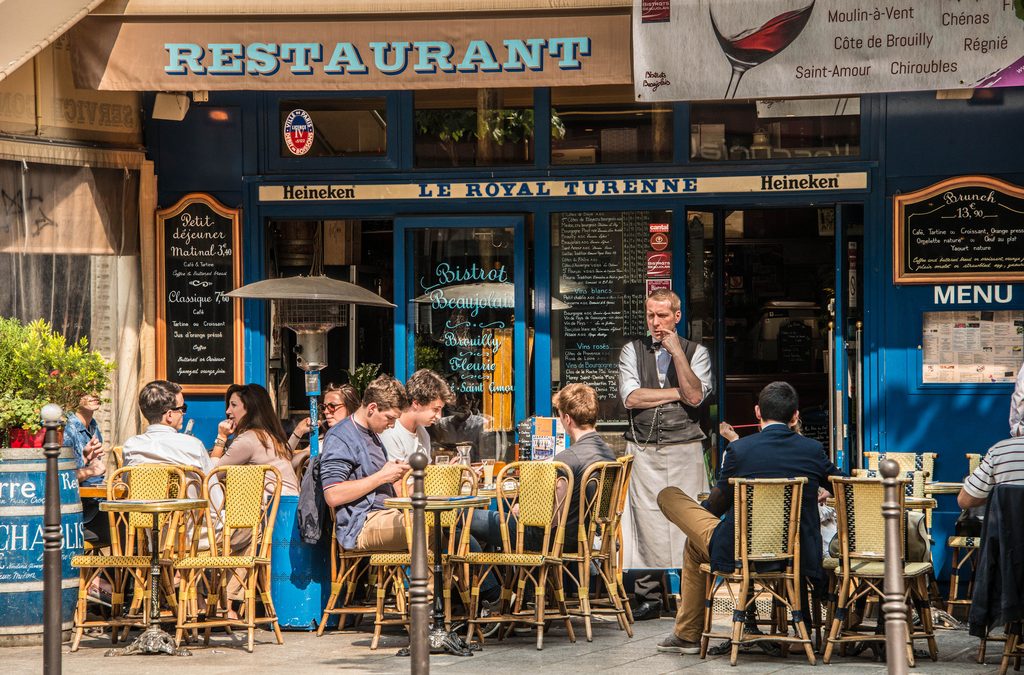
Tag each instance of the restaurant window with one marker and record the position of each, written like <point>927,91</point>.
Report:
<point>775,129</point>
<point>603,265</point>
<point>461,312</point>
<point>473,127</point>
<point>341,127</point>
<point>604,125</point>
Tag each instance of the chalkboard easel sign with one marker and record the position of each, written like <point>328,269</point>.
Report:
<point>199,328</point>
<point>963,229</point>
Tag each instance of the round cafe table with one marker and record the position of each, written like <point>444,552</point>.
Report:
<point>153,640</point>
<point>938,488</point>
<point>93,491</point>
<point>441,640</point>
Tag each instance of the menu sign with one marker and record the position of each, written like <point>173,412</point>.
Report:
<point>199,328</point>
<point>971,346</point>
<point>969,228</point>
<point>604,261</point>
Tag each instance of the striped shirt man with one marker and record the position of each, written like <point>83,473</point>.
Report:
<point>1003,463</point>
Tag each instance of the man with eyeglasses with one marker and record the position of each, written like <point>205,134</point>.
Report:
<point>356,475</point>
<point>164,407</point>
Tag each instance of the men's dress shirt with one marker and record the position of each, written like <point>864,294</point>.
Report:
<point>629,374</point>
<point>161,444</point>
<point>76,437</point>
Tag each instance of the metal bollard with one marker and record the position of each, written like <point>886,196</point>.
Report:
<point>52,541</point>
<point>419,607</point>
<point>895,608</point>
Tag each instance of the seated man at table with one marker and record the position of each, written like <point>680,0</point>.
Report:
<point>428,394</point>
<point>356,475</point>
<point>163,406</point>
<point>776,452</point>
<point>1003,463</point>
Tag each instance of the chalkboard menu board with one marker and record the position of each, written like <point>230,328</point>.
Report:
<point>199,328</point>
<point>965,229</point>
<point>601,272</point>
<point>795,347</point>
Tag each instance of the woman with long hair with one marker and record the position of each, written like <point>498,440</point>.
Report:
<point>340,401</point>
<point>256,435</point>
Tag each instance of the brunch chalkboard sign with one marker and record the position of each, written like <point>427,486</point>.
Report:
<point>199,328</point>
<point>965,229</point>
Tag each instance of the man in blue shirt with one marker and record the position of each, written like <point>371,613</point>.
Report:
<point>356,475</point>
<point>776,452</point>
<point>82,435</point>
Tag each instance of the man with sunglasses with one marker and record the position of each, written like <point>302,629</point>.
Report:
<point>164,407</point>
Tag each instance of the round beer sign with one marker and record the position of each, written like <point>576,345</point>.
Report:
<point>298,132</point>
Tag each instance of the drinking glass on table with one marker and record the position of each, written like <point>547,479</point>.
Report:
<point>488,471</point>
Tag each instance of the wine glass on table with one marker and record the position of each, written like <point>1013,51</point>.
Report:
<point>751,33</point>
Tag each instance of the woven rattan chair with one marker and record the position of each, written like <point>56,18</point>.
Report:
<point>240,523</point>
<point>543,504</point>
<point>907,461</point>
<point>595,540</point>
<point>616,560</point>
<point>767,552</point>
<point>861,566</point>
<point>129,558</point>
<point>441,480</point>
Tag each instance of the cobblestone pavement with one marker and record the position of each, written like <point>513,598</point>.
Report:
<point>610,652</point>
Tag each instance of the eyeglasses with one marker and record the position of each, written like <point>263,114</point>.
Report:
<point>331,407</point>
<point>183,408</point>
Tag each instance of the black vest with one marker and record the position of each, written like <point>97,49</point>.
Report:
<point>669,422</point>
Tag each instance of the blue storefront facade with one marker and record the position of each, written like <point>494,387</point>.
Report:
<point>863,356</point>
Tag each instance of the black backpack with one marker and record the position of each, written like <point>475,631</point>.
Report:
<point>312,511</point>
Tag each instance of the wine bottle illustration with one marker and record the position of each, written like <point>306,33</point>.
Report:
<point>753,46</point>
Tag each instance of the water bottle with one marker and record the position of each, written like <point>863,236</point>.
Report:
<point>524,431</point>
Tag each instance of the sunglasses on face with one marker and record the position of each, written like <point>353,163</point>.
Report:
<point>331,407</point>
<point>183,408</point>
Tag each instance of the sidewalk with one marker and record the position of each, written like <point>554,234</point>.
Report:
<point>610,652</point>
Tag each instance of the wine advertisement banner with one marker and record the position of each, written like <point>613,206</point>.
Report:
<point>715,49</point>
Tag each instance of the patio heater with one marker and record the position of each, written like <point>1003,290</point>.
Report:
<point>311,306</point>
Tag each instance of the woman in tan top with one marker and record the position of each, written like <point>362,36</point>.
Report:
<point>258,436</point>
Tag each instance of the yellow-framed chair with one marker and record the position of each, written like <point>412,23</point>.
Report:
<point>767,531</point>
<point>347,569</point>
<point>129,557</point>
<point>595,540</point>
<point>441,480</point>
<point>543,491</point>
<point>243,503</point>
<point>860,571</point>
<point>615,562</point>
<point>907,461</point>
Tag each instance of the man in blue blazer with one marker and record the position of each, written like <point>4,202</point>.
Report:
<point>776,452</point>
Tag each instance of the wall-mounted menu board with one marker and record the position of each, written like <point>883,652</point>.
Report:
<point>199,328</point>
<point>964,229</point>
<point>971,346</point>
<point>601,272</point>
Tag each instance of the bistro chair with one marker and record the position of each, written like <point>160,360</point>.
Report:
<point>615,561</point>
<point>595,540</point>
<point>860,570</point>
<point>129,558</point>
<point>239,529</point>
<point>350,572</point>
<point>543,504</point>
<point>907,461</point>
<point>767,551</point>
<point>441,480</point>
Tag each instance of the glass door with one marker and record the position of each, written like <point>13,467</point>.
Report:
<point>766,308</point>
<point>462,312</point>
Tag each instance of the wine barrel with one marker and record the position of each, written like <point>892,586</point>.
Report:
<point>22,497</point>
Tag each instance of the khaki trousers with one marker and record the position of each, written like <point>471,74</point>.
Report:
<point>383,531</point>
<point>698,524</point>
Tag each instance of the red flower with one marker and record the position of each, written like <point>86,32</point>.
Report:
<point>54,373</point>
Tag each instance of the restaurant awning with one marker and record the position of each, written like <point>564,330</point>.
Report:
<point>187,45</point>
<point>29,28</point>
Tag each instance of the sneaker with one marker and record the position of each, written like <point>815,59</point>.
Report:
<point>674,645</point>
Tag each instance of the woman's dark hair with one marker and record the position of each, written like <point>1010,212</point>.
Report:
<point>349,396</point>
<point>260,417</point>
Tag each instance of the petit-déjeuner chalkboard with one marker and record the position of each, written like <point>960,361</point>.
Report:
<point>966,229</point>
<point>199,328</point>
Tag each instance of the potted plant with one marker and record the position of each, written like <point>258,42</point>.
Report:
<point>361,376</point>
<point>37,367</point>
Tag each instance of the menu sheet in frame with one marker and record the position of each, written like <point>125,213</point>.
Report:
<point>971,346</point>
<point>199,329</point>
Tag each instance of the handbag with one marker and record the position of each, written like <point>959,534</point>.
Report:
<point>968,524</point>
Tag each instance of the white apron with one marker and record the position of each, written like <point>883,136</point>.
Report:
<point>649,540</point>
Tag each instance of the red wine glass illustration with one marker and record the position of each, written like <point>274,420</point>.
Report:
<point>753,46</point>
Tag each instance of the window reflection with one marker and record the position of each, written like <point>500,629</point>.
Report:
<point>483,127</point>
<point>604,125</point>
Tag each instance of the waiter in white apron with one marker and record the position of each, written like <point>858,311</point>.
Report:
<point>663,380</point>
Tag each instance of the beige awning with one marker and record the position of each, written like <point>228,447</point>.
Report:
<point>370,46</point>
<point>29,26</point>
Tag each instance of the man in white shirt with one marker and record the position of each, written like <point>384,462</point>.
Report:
<point>428,394</point>
<point>163,406</point>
